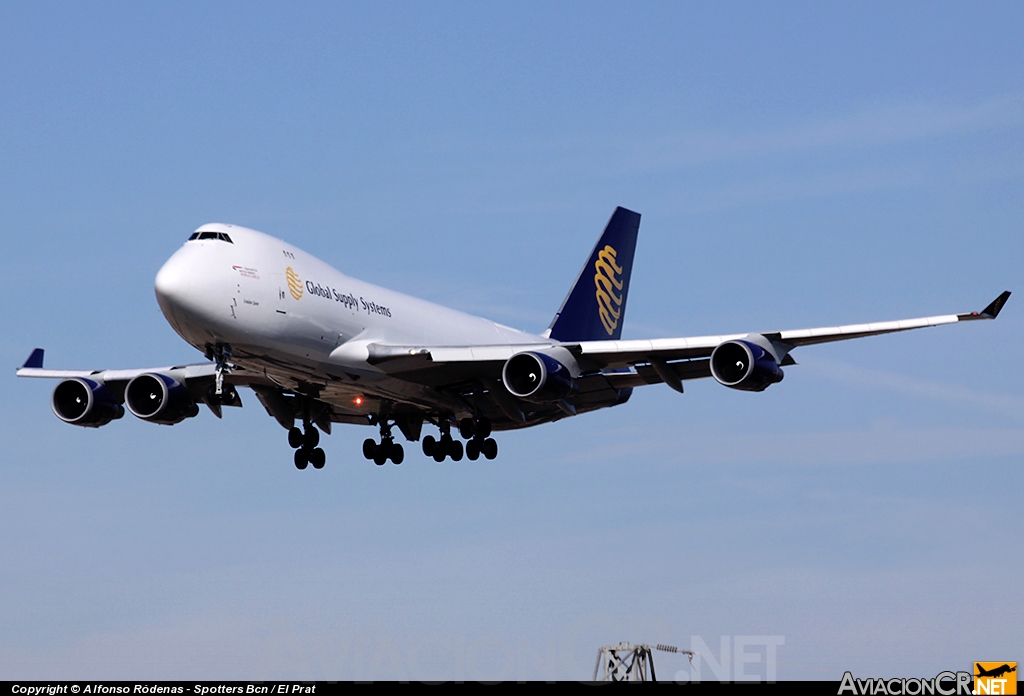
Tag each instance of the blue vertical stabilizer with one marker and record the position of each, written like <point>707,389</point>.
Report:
<point>595,308</point>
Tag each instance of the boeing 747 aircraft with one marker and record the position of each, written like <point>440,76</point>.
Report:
<point>319,347</point>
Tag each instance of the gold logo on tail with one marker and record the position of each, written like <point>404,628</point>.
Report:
<point>294,283</point>
<point>608,280</point>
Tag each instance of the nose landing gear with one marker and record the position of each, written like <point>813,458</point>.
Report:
<point>220,353</point>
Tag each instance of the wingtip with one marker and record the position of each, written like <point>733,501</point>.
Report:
<point>996,306</point>
<point>990,312</point>
<point>35,360</point>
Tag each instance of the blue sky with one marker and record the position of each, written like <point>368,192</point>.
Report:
<point>796,165</point>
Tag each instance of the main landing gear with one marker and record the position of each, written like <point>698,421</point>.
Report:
<point>476,433</point>
<point>305,442</point>
<point>386,449</point>
<point>446,446</point>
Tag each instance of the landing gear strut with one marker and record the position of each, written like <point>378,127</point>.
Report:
<point>221,355</point>
<point>386,449</point>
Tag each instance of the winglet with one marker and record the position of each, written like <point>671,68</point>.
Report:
<point>997,304</point>
<point>990,312</point>
<point>35,360</point>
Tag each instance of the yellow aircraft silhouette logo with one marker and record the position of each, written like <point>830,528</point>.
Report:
<point>995,678</point>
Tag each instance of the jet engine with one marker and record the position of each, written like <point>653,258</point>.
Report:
<point>744,365</point>
<point>537,377</point>
<point>81,401</point>
<point>159,399</point>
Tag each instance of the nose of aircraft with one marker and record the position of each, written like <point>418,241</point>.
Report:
<point>183,292</point>
<point>195,291</point>
<point>172,284</point>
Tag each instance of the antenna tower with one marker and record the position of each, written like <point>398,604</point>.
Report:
<point>629,662</point>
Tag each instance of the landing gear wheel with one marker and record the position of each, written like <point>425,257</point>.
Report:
<point>301,459</point>
<point>489,448</point>
<point>429,445</point>
<point>382,453</point>
<point>317,458</point>
<point>397,454</point>
<point>456,451</point>
<point>311,438</point>
<point>466,428</point>
<point>213,398</point>
<point>444,447</point>
<point>483,428</point>
<point>473,449</point>
<point>295,438</point>
<point>369,448</point>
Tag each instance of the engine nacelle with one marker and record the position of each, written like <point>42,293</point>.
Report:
<point>160,399</point>
<point>744,365</point>
<point>81,401</point>
<point>537,377</point>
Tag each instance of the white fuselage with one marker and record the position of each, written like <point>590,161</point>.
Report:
<point>270,300</point>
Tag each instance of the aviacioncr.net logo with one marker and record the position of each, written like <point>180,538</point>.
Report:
<point>608,280</point>
<point>995,678</point>
<point>294,283</point>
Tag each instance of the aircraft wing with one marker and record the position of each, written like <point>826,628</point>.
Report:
<point>194,372</point>
<point>199,370</point>
<point>634,362</point>
<point>198,378</point>
<point>624,353</point>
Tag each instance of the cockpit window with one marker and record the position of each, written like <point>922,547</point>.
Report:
<point>211,235</point>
